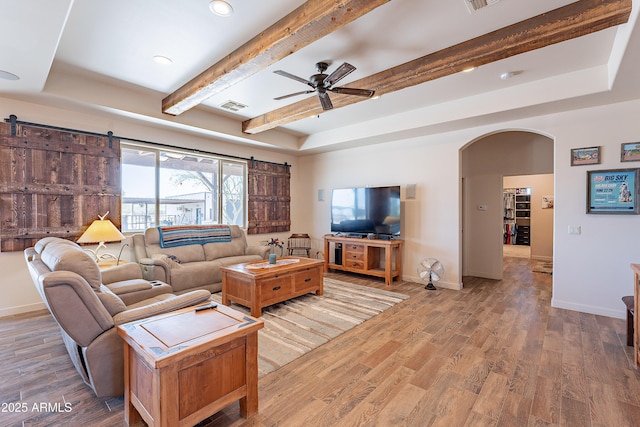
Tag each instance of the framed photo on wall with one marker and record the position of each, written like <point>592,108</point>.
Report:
<point>585,156</point>
<point>613,191</point>
<point>630,152</point>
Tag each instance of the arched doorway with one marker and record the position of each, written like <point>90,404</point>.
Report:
<point>484,163</point>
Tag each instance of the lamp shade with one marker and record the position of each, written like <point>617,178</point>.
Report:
<point>101,230</point>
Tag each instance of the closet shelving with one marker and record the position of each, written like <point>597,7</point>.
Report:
<point>517,216</point>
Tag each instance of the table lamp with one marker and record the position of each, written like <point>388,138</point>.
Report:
<point>100,231</point>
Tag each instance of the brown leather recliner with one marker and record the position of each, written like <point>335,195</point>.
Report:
<point>88,304</point>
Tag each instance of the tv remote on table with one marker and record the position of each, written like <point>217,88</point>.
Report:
<point>206,307</point>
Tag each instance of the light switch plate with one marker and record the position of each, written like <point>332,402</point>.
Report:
<point>575,229</point>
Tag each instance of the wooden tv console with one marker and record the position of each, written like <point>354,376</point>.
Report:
<point>364,256</point>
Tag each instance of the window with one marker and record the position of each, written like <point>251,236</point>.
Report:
<point>171,187</point>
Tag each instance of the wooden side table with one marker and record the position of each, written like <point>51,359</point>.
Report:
<point>184,366</point>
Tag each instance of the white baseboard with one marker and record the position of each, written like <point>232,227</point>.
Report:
<point>440,284</point>
<point>600,311</point>
<point>11,311</point>
<point>483,274</point>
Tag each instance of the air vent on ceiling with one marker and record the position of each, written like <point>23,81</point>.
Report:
<point>474,5</point>
<point>232,106</point>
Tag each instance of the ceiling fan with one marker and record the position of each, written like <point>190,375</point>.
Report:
<point>323,83</point>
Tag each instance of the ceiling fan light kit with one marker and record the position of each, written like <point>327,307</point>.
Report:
<point>323,83</point>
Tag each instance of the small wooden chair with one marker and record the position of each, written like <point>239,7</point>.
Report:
<point>299,243</point>
<point>628,302</point>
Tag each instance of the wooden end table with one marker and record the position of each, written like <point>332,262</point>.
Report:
<point>184,366</point>
<point>258,284</point>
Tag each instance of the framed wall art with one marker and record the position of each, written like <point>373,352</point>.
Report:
<point>613,191</point>
<point>585,156</point>
<point>630,152</point>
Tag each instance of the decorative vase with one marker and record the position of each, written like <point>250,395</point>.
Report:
<point>273,250</point>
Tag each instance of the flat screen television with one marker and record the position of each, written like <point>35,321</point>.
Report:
<point>357,212</point>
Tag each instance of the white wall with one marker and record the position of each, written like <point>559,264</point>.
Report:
<point>429,223</point>
<point>591,270</point>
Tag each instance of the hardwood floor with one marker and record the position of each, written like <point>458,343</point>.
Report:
<point>493,354</point>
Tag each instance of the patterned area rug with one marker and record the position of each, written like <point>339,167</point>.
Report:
<point>538,266</point>
<point>295,327</point>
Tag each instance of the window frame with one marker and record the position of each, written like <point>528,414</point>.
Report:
<point>221,162</point>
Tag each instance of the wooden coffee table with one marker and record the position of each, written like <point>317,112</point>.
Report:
<point>184,366</point>
<point>259,284</point>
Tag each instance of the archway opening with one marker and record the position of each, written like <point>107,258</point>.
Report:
<point>484,164</point>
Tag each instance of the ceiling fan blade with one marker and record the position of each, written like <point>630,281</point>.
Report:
<point>338,74</point>
<point>293,94</point>
<point>325,101</point>
<point>351,91</point>
<point>291,76</point>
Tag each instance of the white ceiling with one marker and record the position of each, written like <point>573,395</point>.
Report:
<point>97,54</point>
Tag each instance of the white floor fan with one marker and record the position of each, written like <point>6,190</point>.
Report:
<point>431,270</point>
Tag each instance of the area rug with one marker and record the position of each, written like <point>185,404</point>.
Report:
<point>295,327</point>
<point>538,266</point>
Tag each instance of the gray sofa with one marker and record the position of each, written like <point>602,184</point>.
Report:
<point>193,266</point>
<point>88,304</point>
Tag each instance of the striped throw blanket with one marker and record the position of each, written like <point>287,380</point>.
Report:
<point>171,237</point>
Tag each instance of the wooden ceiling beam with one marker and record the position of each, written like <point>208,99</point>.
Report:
<point>306,24</point>
<point>568,22</point>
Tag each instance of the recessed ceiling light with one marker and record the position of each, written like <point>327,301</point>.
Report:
<point>162,60</point>
<point>8,76</point>
<point>467,70</point>
<point>508,74</point>
<point>220,7</point>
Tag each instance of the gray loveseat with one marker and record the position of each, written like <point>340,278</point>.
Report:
<point>193,264</point>
<point>88,304</point>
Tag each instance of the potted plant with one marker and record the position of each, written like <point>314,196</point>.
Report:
<point>274,243</point>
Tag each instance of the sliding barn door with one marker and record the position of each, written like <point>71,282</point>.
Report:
<point>54,183</point>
